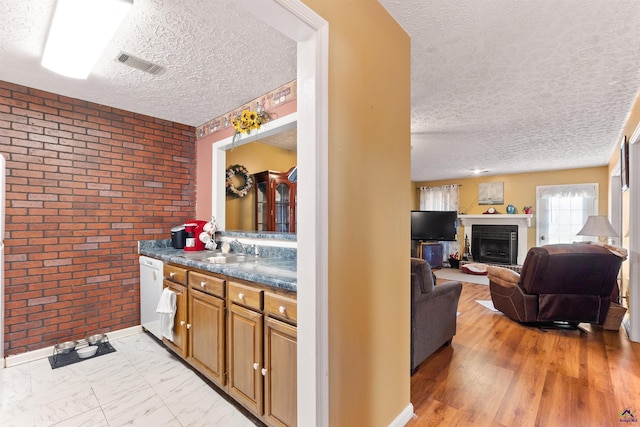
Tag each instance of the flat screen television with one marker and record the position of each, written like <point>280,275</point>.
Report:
<point>434,225</point>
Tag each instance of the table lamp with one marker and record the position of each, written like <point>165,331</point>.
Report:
<point>598,226</point>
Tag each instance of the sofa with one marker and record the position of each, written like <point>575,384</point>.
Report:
<point>559,284</point>
<point>433,312</point>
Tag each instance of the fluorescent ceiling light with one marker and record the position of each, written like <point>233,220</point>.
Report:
<point>80,32</point>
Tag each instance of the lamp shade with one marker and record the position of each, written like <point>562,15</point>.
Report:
<point>79,33</point>
<point>598,225</point>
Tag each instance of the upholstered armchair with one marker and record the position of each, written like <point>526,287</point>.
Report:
<point>560,284</point>
<point>433,312</point>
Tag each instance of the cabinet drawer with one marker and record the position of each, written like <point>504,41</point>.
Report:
<point>206,283</point>
<point>175,274</point>
<point>245,295</point>
<point>281,307</point>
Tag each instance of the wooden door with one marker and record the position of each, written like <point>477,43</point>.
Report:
<point>179,343</point>
<point>245,357</point>
<point>207,335</point>
<point>280,383</point>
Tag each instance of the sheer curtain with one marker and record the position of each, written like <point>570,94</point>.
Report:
<point>444,198</point>
<point>563,210</point>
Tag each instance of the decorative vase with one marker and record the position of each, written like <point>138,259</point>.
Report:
<point>511,209</point>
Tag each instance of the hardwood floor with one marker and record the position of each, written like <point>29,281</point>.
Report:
<point>500,373</point>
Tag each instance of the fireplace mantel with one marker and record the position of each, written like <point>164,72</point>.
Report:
<point>523,221</point>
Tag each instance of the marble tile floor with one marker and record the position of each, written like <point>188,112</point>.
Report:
<point>141,384</point>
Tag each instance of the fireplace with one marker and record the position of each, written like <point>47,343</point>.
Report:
<point>521,221</point>
<point>496,244</point>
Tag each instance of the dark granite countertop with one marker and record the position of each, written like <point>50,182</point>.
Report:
<point>277,272</point>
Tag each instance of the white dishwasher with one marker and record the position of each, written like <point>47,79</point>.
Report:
<point>151,276</point>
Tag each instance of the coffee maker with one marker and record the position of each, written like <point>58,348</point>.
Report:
<point>193,229</point>
<point>178,237</point>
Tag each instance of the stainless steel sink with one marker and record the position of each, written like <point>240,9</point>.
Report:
<point>229,258</point>
<point>217,257</point>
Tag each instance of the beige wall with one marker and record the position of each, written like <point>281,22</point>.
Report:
<point>633,121</point>
<point>520,191</point>
<point>369,195</point>
<point>369,162</point>
<point>256,157</point>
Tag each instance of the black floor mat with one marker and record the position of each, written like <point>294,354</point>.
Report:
<point>60,360</point>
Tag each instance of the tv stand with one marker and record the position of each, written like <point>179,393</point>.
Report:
<point>432,253</point>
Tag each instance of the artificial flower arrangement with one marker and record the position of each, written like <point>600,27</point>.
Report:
<point>247,121</point>
<point>527,209</point>
<point>454,255</point>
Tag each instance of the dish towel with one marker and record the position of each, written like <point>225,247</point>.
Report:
<point>167,309</point>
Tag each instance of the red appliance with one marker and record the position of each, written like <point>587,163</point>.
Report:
<point>193,229</point>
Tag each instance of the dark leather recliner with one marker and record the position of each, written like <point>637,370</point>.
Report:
<point>563,283</point>
<point>433,312</point>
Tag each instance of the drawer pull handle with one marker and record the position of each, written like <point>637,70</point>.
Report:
<point>203,284</point>
<point>182,323</point>
<point>256,366</point>
<point>240,295</point>
<point>172,273</point>
<point>188,325</point>
<point>264,372</point>
<point>282,309</point>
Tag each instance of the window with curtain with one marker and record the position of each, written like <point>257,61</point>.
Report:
<point>562,210</point>
<point>443,198</point>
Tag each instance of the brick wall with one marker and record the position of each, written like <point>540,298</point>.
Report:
<point>85,182</point>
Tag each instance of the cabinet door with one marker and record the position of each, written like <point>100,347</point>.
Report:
<point>282,205</point>
<point>245,357</point>
<point>275,202</point>
<point>179,343</point>
<point>280,383</point>
<point>207,335</point>
<point>262,207</point>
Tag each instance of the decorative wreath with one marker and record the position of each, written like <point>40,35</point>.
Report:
<point>243,173</point>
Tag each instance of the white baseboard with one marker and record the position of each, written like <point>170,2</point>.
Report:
<point>42,353</point>
<point>404,417</point>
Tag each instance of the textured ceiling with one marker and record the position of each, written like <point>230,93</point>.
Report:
<point>511,86</point>
<point>502,86</point>
<point>216,57</point>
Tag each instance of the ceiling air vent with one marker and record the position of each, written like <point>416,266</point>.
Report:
<point>139,64</point>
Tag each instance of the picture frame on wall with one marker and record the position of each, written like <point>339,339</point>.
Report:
<point>491,193</point>
<point>624,164</point>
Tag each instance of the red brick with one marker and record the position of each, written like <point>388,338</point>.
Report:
<point>82,179</point>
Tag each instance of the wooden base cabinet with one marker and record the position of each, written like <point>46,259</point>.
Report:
<point>176,280</point>
<point>207,335</point>
<point>244,345</point>
<point>207,331</point>
<point>262,353</point>
<point>245,357</point>
<point>281,380</point>
<point>240,335</point>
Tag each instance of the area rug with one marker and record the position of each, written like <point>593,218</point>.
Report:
<point>487,304</point>
<point>455,274</point>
